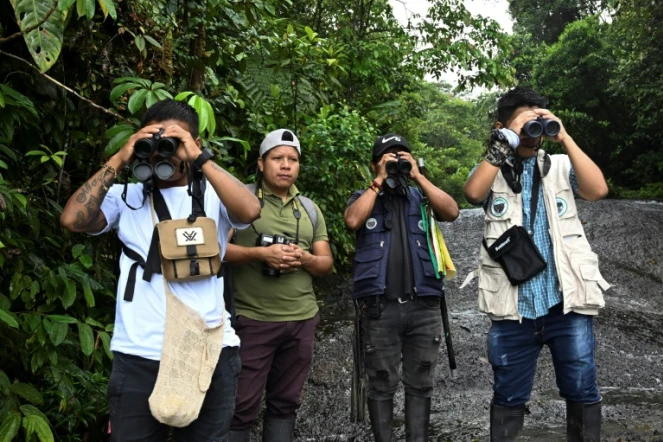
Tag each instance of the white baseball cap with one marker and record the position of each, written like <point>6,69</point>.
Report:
<point>279,137</point>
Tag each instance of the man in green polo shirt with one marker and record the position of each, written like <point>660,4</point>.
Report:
<point>273,265</point>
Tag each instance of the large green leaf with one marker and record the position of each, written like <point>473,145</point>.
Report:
<point>136,100</point>
<point>10,426</point>
<point>6,318</point>
<point>36,424</point>
<point>4,382</point>
<point>45,41</point>
<point>27,392</point>
<point>108,8</point>
<point>86,338</point>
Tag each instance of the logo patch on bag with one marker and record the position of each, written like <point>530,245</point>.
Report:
<point>562,206</point>
<point>371,223</point>
<point>499,206</point>
<point>191,236</point>
<point>421,225</point>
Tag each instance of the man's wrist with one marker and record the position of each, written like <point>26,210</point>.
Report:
<point>306,258</point>
<point>567,142</point>
<point>117,162</point>
<point>498,152</point>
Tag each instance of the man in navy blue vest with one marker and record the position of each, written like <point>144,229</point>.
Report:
<point>395,286</point>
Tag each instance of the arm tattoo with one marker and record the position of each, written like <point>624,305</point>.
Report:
<point>90,196</point>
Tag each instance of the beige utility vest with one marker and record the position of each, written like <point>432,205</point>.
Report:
<point>577,266</point>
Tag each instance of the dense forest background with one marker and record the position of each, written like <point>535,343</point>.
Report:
<point>76,76</point>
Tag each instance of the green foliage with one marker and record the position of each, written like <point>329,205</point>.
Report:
<point>545,20</point>
<point>336,151</point>
<point>575,74</point>
<point>45,41</point>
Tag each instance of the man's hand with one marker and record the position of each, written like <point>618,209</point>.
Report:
<point>125,155</point>
<point>381,172</point>
<point>415,175</point>
<point>562,135</point>
<point>286,258</point>
<point>189,148</point>
<point>522,118</point>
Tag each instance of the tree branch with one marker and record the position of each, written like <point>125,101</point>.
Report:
<point>68,89</point>
<point>31,28</point>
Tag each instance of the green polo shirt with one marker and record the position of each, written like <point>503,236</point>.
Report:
<point>289,297</point>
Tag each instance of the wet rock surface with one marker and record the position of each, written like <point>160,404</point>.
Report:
<point>627,236</point>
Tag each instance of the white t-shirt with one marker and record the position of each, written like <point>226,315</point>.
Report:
<point>140,324</point>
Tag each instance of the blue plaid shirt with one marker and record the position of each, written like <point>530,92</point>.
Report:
<point>540,293</point>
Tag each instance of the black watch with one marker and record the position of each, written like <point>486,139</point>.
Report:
<point>203,158</point>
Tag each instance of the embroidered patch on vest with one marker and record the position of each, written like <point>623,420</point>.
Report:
<point>371,223</point>
<point>421,225</point>
<point>562,206</point>
<point>499,206</point>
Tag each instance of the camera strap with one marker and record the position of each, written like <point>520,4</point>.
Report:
<point>296,213</point>
<point>148,185</point>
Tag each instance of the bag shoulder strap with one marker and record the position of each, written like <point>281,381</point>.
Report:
<point>160,206</point>
<point>197,186</point>
<point>309,206</point>
<point>535,194</point>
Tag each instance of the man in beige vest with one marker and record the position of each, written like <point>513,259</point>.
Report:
<point>521,186</point>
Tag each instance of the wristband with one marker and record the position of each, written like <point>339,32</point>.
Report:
<point>375,183</point>
<point>378,191</point>
<point>107,167</point>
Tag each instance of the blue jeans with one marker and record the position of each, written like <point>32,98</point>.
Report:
<point>513,349</point>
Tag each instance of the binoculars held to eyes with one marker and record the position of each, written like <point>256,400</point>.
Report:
<point>398,172</point>
<point>165,148</point>
<point>541,126</point>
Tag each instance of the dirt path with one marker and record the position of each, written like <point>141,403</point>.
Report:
<point>627,235</point>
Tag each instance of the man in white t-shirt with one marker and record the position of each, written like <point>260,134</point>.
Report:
<point>99,206</point>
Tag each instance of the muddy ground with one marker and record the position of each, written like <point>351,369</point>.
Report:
<point>627,235</point>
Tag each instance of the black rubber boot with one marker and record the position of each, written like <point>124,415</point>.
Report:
<point>583,422</point>
<point>417,418</point>
<point>382,419</point>
<point>278,430</point>
<point>506,423</point>
<point>239,435</point>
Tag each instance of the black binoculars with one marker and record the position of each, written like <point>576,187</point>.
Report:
<point>541,126</point>
<point>143,150</point>
<point>265,240</point>
<point>399,166</point>
<point>398,172</point>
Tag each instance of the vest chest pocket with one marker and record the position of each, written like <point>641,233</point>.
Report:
<point>568,215</point>
<point>424,257</point>
<point>498,214</point>
<point>367,262</point>
<point>372,232</point>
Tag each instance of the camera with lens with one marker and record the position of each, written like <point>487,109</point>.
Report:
<point>541,126</point>
<point>165,148</point>
<point>398,172</point>
<point>265,240</point>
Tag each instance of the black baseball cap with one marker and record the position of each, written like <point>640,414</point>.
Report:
<point>384,142</point>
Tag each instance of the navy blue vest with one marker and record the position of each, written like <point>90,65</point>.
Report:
<point>372,252</point>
